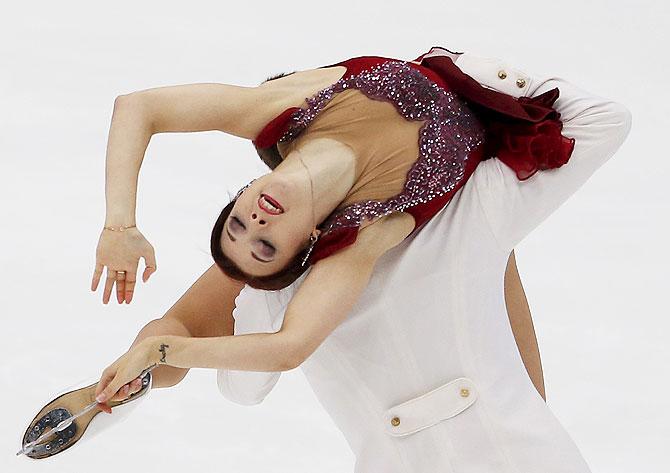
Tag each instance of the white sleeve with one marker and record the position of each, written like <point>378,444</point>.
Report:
<point>598,125</point>
<point>256,311</point>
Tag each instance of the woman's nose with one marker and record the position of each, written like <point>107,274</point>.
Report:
<point>255,217</point>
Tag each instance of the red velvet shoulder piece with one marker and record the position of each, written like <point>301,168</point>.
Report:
<point>274,129</point>
<point>524,133</point>
<point>333,241</point>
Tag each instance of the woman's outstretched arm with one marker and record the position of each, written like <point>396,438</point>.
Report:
<point>345,275</point>
<point>342,276</point>
<point>138,116</point>
<point>237,110</point>
<point>204,310</point>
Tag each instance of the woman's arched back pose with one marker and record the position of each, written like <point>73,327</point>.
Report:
<point>423,373</point>
<point>375,251</point>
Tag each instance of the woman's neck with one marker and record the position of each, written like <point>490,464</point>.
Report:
<point>332,168</point>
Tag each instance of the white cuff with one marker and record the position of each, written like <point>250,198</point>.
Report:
<point>495,74</point>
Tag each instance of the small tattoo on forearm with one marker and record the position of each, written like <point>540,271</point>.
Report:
<point>162,350</point>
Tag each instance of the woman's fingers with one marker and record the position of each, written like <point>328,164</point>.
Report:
<point>124,280</point>
<point>97,273</point>
<point>109,283</point>
<point>150,262</point>
<point>130,288</point>
<point>135,385</point>
<point>120,286</point>
<point>131,276</point>
<point>121,394</point>
<point>106,377</point>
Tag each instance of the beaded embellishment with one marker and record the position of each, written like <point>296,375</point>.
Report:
<point>450,132</point>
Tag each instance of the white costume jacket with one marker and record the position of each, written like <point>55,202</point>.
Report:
<point>424,375</point>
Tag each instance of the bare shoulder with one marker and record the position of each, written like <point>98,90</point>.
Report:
<point>385,232</point>
<point>298,85</point>
<point>273,97</point>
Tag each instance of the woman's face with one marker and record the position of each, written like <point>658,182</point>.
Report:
<point>260,239</point>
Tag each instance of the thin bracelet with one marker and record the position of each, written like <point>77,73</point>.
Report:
<point>119,229</point>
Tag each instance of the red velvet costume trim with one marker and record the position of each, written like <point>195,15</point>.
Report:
<point>524,133</point>
<point>274,129</point>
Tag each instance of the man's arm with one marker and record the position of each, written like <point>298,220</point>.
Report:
<point>521,322</point>
<point>599,126</point>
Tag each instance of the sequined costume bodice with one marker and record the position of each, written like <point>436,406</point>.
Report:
<point>385,145</point>
<point>415,142</point>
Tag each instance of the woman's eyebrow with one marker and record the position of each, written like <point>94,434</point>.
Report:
<point>253,255</point>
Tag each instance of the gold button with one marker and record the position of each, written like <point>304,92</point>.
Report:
<point>502,74</point>
<point>465,392</point>
<point>520,83</point>
<point>395,422</point>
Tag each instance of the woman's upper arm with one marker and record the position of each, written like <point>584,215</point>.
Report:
<point>237,110</point>
<point>598,125</point>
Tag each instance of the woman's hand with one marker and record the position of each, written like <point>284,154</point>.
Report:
<point>120,252</point>
<point>121,378</point>
<point>125,392</point>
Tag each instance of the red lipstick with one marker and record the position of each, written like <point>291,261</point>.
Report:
<point>279,208</point>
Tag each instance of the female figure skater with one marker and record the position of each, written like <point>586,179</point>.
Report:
<point>375,260</point>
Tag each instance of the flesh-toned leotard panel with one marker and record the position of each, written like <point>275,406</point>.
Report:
<point>385,144</point>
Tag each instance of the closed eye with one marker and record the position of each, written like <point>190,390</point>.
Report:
<point>269,249</point>
<point>237,222</point>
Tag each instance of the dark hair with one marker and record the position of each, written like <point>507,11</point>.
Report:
<point>272,282</point>
<point>278,280</point>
